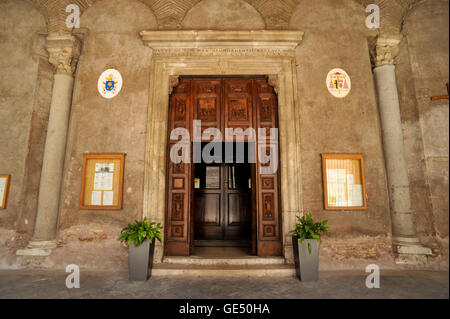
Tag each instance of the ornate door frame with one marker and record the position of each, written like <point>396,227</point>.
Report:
<point>216,53</point>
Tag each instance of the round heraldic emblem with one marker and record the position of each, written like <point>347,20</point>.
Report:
<point>338,83</point>
<point>110,83</point>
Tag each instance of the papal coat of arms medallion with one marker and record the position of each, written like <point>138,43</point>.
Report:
<point>110,83</point>
<point>338,83</point>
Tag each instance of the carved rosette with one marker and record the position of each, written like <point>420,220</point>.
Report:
<point>384,50</point>
<point>273,81</point>
<point>64,51</point>
<point>174,80</point>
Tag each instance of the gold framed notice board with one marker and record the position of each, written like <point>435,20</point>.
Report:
<point>343,181</point>
<point>4,187</point>
<point>102,182</point>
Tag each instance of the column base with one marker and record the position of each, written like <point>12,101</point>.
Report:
<point>37,248</point>
<point>411,254</point>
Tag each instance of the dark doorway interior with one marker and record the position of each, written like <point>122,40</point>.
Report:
<point>223,197</point>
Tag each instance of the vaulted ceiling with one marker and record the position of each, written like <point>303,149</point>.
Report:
<point>276,13</point>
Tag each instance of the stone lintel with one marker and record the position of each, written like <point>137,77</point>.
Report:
<point>192,42</point>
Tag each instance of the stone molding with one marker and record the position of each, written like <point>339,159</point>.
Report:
<point>64,52</point>
<point>222,43</point>
<point>215,60</point>
<point>384,49</point>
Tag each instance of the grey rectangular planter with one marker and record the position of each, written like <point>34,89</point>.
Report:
<point>306,264</point>
<point>140,260</point>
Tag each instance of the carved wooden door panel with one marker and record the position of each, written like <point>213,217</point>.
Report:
<point>179,182</point>
<point>207,102</point>
<point>238,104</point>
<point>268,189</point>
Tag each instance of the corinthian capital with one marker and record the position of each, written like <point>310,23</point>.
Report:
<point>384,49</point>
<point>64,51</point>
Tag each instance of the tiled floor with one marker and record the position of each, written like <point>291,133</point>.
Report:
<point>393,284</point>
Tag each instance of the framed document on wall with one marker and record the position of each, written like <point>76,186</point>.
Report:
<point>102,181</point>
<point>4,187</point>
<point>344,186</point>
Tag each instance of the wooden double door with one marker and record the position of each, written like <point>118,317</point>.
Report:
<point>247,212</point>
<point>222,204</point>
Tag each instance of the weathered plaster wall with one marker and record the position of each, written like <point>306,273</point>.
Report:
<point>422,73</point>
<point>118,125</point>
<point>25,87</point>
<point>99,125</point>
<point>334,38</point>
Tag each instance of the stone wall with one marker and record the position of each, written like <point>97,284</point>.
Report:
<point>25,89</point>
<point>118,125</point>
<point>422,73</point>
<point>335,36</point>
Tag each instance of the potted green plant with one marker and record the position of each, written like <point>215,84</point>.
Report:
<point>140,238</point>
<point>306,238</point>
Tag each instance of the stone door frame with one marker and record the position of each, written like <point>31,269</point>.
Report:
<point>218,53</point>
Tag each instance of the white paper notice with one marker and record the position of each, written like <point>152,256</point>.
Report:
<point>197,183</point>
<point>96,198</point>
<point>2,189</point>
<point>355,195</point>
<point>336,176</point>
<point>104,173</point>
<point>108,197</point>
<point>350,179</point>
<point>336,195</point>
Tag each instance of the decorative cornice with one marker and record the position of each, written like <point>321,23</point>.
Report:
<point>384,49</point>
<point>222,43</point>
<point>64,51</point>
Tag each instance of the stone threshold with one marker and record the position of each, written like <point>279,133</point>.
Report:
<point>224,261</point>
<point>229,271</point>
<point>242,266</point>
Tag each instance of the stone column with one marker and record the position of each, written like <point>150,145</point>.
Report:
<point>406,244</point>
<point>64,51</point>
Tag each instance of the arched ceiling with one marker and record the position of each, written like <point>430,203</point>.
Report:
<point>276,13</point>
<point>392,12</point>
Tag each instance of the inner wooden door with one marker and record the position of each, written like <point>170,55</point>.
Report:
<point>222,204</point>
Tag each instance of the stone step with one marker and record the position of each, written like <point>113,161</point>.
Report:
<point>222,261</point>
<point>183,270</point>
